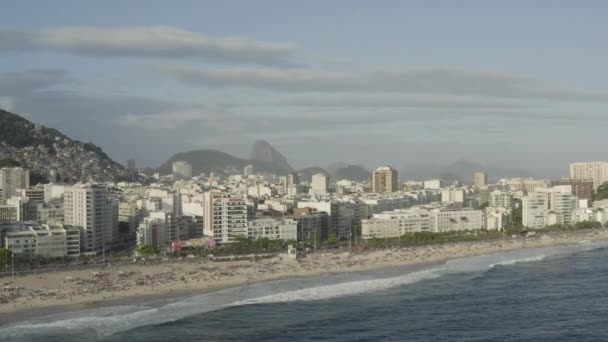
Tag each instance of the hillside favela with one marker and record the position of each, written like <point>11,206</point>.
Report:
<point>369,171</point>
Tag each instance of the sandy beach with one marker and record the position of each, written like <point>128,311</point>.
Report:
<point>35,295</point>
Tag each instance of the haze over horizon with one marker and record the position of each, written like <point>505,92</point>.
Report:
<point>392,82</point>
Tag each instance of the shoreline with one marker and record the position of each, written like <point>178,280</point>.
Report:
<point>61,292</point>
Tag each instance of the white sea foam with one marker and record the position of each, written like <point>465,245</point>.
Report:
<point>344,289</point>
<point>107,321</point>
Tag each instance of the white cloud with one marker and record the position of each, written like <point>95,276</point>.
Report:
<point>145,42</point>
<point>421,80</point>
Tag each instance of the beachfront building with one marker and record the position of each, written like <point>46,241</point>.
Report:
<point>534,210</point>
<point>344,215</point>
<point>50,241</point>
<point>152,231</point>
<point>312,225</point>
<point>496,218</point>
<point>273,229</point>
<point>560,204</point>
<point>89,208</point>
<point>225,217</point>
<point>395,223</point>
<point>447,219</point>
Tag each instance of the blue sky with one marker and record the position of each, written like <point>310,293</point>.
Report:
<point>371,82</point>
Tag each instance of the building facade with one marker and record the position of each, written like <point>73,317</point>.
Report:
<point>384,180</point>
<point>88,208</point>
<point>596,171</point>
<point>225,218</point>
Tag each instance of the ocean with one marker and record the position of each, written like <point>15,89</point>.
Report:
<point>544,294</point>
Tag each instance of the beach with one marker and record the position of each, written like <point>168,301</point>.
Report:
<point>36,295</point>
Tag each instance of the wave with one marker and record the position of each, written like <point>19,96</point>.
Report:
<point>112,320</point>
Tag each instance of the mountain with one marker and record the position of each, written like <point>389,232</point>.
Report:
<point>461,170</point>
<point>352,172</point>
<point>262,151</point>
<point>306,173</point>
<point>46,152</point>
<point>206,161</point>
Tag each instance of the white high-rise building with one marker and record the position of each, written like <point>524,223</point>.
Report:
<point>534,210</point>
<point>320,184</point>
<point>12,179</point>
<point>560,204</point>
<point>88,208</point>
<point>502,199</point>
<point>182,169</point>
<point>596,171</point>
<point>225,217</point>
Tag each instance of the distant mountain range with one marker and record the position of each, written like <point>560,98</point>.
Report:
<point>49,153</point>
<point>265,158</point>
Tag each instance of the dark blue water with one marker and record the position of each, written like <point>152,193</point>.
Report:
<point>558,294</point>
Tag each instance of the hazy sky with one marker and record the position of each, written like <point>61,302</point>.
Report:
<point>514,83</point>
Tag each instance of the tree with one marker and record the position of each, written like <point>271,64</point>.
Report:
<point>9,162</point>
<point>484,205</point>
<point>332,239</point>
<point>5,256</point>
<point>147,250</point>
<point>602,192</point>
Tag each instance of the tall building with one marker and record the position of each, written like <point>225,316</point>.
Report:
<point>312,225</point>
<point>596,171</point>
<point>560,204</point>
<point>89,208</point>
<point>582,189</point>
<point>225,217</point>
<point>182,169</point>
<point>534,210</point>
<point>384,180</point>
<point>481,179</point>
<point>11,179</point>
<point>248,170</point>
<point>320,184</point>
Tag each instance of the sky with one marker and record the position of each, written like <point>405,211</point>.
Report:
<point>518,84</point>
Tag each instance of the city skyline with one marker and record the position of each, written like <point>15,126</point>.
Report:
<point>424,81</point>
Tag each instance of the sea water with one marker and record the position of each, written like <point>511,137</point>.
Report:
<point>543,294</point>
